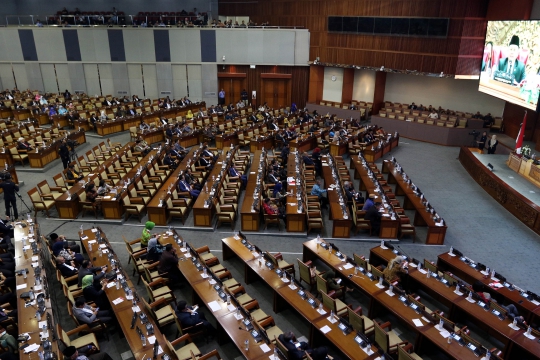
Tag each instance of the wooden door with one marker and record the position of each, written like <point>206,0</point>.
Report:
<point>233,87</point>
<point>276,93</point>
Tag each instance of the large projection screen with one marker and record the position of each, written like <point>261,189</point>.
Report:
<point>511,62</point>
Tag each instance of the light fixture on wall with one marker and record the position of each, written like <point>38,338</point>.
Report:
<point>223,59</point>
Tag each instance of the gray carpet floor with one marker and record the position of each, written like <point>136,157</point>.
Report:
<point>477,225</point>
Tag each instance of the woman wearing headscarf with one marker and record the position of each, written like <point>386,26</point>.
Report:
<point>189,115</point>
<point>492,144</point>
<point>395,268</point>
<point>146,234</point>
<point>94,292</point>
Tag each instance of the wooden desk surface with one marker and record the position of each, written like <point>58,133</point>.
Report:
<point>122,310</point>
<point>27,320</point>
<point>236,246</point>
<point>342,220</point>
<point>307,311</point>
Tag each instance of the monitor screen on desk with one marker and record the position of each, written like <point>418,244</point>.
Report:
<point>510,66</point>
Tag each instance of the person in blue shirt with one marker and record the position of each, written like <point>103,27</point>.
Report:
<point>369,202</point>
<point>234,173</point>
<point>316,190</point>
<point>183,186</point>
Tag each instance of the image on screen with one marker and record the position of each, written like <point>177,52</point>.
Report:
<point>510,67</point>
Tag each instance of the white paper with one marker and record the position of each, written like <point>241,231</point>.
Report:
<point>136,309</point>
<point>106,197</point>
<point>214,306</point>
<point>471,300</point>
<point>379,286</point>
<point>94,230</point>
<point>204,276</point>
<point>369,352</point>
<point>485,273</point>
<point>389,293</point>
<point>110,285</point>
<point>418,322</point>
<point>92,242</point>
<point>31,348</point>
<point>423,271</point>
<point>22,286</point>
<point>231,307</point>
<point>384,247</point>
<point>238,316</point>
<point>529,336</point>
<point>348,266</point>
<point>512,326</point>
<point>129,297</point>
<point>151,339</point>
<point>27,247</point>
<point>444,333</point>
<point>285,280</point>
<point>451,254</point>
<point>535,302</point>
<point>38,287</point>
<point>44,335</point>
<point>183,249</point>
<point>35,264</point>
<point>292,286</point>
<point>326,329</point>
<point>321,311</point>
<point>458,292</point>
<point>265,348</point>
<point>41,324</point>
<point>118,301</point>
<point>103,246</point>
<point>272,357</point>
<point>412,265</point>
<point>35,258</point>
<point>332,319</point>
<point>187,255</point>
<point>160,350</point>
<point>84,237</point>
<point>212,281</point>
<point>426,320</point>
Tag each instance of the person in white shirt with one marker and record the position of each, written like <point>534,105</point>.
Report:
<point>433,115</point>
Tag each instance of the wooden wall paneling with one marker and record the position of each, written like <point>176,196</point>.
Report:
<point>316,83</point>
<point>348,83</point>
<point>378,95</point>
<point>500,10</point>
<point>513,117</point>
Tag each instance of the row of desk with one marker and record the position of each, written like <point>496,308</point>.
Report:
<point>249,217</point>
<point>516,345</point>
<point>286,296</point>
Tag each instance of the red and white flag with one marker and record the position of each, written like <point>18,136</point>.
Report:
<point>519,139</point>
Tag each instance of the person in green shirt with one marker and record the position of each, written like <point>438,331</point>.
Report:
<point>146,234</point>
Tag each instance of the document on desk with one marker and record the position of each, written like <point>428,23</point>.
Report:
<point>117,301</point>
<point>231,307</point>
<point>31,348</point>
<point>321,311</point>
<point>423,271</point>
<point>444,333</point>
<point>348,266</point>
<point>418,322</point>
<point>530,336</point>
<point>92,242</point>
<point>22,286</point>
<point>265,348</point>
<point>152,339</point>
<point>214,306</point>
<point>513,327</point>
<point>326,329</point>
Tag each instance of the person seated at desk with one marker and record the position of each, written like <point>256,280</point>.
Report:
<point>92,196</point>
<point>203,162</point>
<point>183,186</point>
<point>72,174</point>
<point>72,245</point>
<point>61,248</point>
<point>296,349</point>
<point>168,266</point>
<point>167,160</point>
<point>352,194</point>
<point>317,191</point>
<point>142,147</point>
<point>143,126</point>
<point>93,291</point>
<point>192,180</point>
<point>191,316</point>
<point>87,269</point>
<point>8,341</point>
<point>86,314</point>
<point>234,173</point>
<point>189,115</point>
<point>210,132</point>
<point>334,282</point>
<point>396,267</point>
<point>433,115</point>
<point>103,188</point>
<point>67,268</point>
<point>511,310</point>
<point>272,209</point>
<point>208,154</point>
<point>488,120</point>
<point>23,145</point>
<point>369,202</point>
<point>62,110</point>
<point>72,353</point>
<point>374,216</point>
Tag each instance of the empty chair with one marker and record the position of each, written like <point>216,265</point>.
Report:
<point>386,338</point>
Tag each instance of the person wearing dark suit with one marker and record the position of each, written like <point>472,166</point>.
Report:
<point>295,352</point>
<point>511,64</point>
<point>87,269</point>
<point>284,155</point>
<point>107,102</point>
<point>191,316</point>
<point>63,151</point>
<point>6,229</point>
<point>167,160</point>
<point>86,314</point>
<point>234,173</point>
<point>67,270</point>
<point>192,180</point>
<point>10,188</point>
<point>183,186</point>
<point>203,162</point>
<point>72,174</point>
<point>168,266</point>
<point>208,154</point>
<point>374,216</point>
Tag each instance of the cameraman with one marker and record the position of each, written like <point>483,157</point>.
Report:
<point>64,153</point>
<point>10,189</point>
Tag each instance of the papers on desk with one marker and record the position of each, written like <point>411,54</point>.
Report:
<point>183,249</point>
<point>27,247</point>
<point>212,281</point>
<point>424,318</point>
<point>439,224</point>
<point>103,246</point>
<point>325,329</point>
<point>38,287</point>
<point>129,297</point>
<point>31,240</point>
<point>423,271</point>
<point>117,301</point>
<point>265,348</point>
<point>35,264</point>
<point>535,302</point>
<point>386,215</point>
<point>170,233</point>
<point>152,339</point>
<point>35,258</point>
<point>471,300</point>
<point>92,242</point>
<point>256,254</point>
<point>321,311</point>
<point>238,316</point>
<point>187,255</point>
<point>444,333</point>
<point>379,286</point>
<point>272,357</point>
<point>411,264</point>
<point>231,307</point>
<point>384,247</point>
<point>496,285</point>
<point>389,293</point>
<point>252,172</point>
<point>31,348</point>
<point>485,273</point>
<point>94,230</point>
<point>44,334</point>
<point>41,324</point>
<point>451,254</point>
<point>204,276</point>
<point>22,286</point>
<point>332,319</point>
<point>136,309</point>
<point>418,322</point>
<point>292,286</point>
<point>84,237</point>
<point>214,306</point>
<point>367,351</point>
<point>285,280</point>
<point>457,292</point>
<point>106,197</point>
<point>348,266</point>
<point>105,251</point>
<point>110,285</point>
<point>513,327</point>
<point>160,350</point>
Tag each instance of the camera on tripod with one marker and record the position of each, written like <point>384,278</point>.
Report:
<point>474,133</point>
<point>4,175</point>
